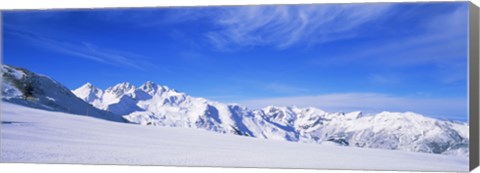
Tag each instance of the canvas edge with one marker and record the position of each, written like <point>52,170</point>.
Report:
<point>474,82</point>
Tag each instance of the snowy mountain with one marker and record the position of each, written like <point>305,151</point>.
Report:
<point>152,104</point>
<point>386,130</point>
<point>26,88</point>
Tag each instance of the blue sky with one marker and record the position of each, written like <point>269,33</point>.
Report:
<point>370,57</point>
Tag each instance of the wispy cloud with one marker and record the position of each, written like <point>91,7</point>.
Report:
<point>85,50</point>
<point>152,17</point>
<point>384,79</point>
<point>371,102</point>
<point>266,86</point>
<point>284,88</point>
<point>191,55</point>
<point>439,40</point>
<point>285,26</point>
<point>439,43</point>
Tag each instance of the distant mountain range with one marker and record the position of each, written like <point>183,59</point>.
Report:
<point>157,105</point>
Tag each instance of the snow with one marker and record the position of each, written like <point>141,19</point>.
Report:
<point>8,91</point>
<point>39,136</point>
<point>160,106</point>
<point>90,94</point>
<point>51,99</point>
<point>17,74</point>
<point>152,104</point>
<point>46,93</point>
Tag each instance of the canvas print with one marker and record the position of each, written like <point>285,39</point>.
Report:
<point>375,86</point>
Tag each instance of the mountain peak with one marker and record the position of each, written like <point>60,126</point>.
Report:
<point>88,92</point>
<point>124,85</point>
<point>121,88</point>
<point>354,115</point>
<point>149,83</point>
<point>88,84</point>
<point>149,86</point>
<point>128,84</point>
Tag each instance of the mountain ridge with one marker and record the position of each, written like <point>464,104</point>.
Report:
<point>21,86</point>
<point>163,106</point>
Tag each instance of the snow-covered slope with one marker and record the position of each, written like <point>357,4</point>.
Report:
<point>23,87</point>
<point>38,136</point>
<point>152,104</point>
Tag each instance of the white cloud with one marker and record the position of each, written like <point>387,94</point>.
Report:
<point>282,88</point>
<point>285,26</point>
<point>85,50</point>
<point>384,79</point>
<point>440,44</point>
<point>439,40</point>
<point>371,102</point>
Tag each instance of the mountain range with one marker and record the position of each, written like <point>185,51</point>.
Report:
<point>158,105</point>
